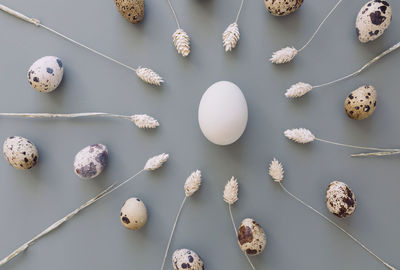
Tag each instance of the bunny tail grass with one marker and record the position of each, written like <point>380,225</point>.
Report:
<point>236,233</point>
<point>300,89</point>
<point>172,232</point>
<point>287,54</point>
<point>140,120</point>
<point>182,42</point>
<point>54,226</point>
<point>230,37</point>
<point>337,226</point>
<point>37,23</point>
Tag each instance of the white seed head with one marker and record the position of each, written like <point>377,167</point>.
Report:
<point>193,183</point>
<point>298,90</point>
<point>231,36</point>
<point>276,170</point>
<point>300,135</point>
<point>231,191</point>
<point>149,76</point>
<point>144,121</point>
<point>156,162</point>
<point>182,42</point>
<point>284,55</point>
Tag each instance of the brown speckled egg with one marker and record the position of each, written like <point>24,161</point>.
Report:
<point>282,7</point>
<point>340,200</point>
<point>361,103</point>
<point>251,237</point>
<point>20,152</point>
<point>91,161</point>
<point>131,10</point>
<point>373,19</point>
<point>133,214</point>
<point>186,259</point>
<point>46,74</point>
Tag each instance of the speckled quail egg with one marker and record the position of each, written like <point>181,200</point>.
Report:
<point>46,74</point>
<point>133,214</point>
<point>20,152</point>
<point>340,200</point>
<point>282,7</point>
<point>361,103</point>
<point>373,19</point>
<point>186,259</point>
<point>131,10</point>
<point>251,237</point>
<point>91,161</point>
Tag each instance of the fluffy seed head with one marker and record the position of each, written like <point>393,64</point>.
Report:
<point>156,162</point>
<point>231,191</point>
<point>231,36</point>
<point>182,42</point>
<point>276,170</point>
<point>298,90</point>
<point>300,135</point>
<point>284,55</point>
<point>149,76</point>
<point>144,121</point>
<point>193,183</point>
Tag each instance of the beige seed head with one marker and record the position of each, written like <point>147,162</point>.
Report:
<point>149,76</point>
<point>231,36</point>
<point>144,121</point>
<point>298,90</point>
<point>231,191</point>
<point>300,135</point>
<point>276,170</point>
<point>182,42</point>
<point>193,183</point>
<point>156,162</point>
<point>284,55</point>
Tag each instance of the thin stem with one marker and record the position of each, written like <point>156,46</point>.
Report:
<point>391,49</point>
<point>240,10</point>
<point>320,25</point>
<point>234,227</point>
<point>37,23</point>
<point>66,115</point>
<point>174,13</point>
<point>65,219</point>
<point>356,147</point>
<point>376,154</point>
<point>172,232</point>
<point>337,226</point>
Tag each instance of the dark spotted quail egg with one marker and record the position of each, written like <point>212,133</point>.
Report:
<point>131,10</point>
<point>373,19</point>
<point>91,161</point>
<point>251,237</point>
<point>361,103</point>
<point>282,7</point>
<point>186,259</point>
<point>340,200</point>
<point>133,214</point>
<point>46,74</point>
<point>20,152</point>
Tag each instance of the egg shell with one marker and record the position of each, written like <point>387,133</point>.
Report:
<point>373,19</point>
<point>223,113</point>
<point>91,161</point>
<point>186,259</point>
<point>46,74</point>
<point>20,152</point>
<point>131,10</point>
<point>361,103</point>
<point>251,237</point>
<point>340,200</point>
<point>282,7</point>
<point>133,214</point>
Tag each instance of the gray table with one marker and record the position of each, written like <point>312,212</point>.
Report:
<point>297,239</point>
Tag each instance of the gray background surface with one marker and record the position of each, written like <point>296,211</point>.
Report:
<point>297,239</point>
